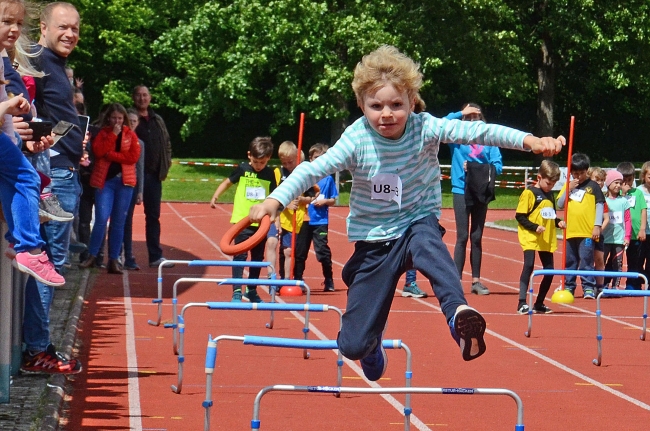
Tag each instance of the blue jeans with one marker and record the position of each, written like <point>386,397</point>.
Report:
<point>580,256</point>
<point>151,197</point>
<point>129,258</point>
<point>112,201</point>
<point>38,297</point>
<point>19,194</point>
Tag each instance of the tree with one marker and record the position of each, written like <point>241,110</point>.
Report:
<point>281,57</point>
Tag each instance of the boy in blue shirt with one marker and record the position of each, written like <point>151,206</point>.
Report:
<point>395,203</point>
<point>317,228</point>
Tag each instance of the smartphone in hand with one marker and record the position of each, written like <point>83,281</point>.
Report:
<point>40,129</point>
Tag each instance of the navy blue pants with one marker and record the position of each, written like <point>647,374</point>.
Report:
<point>372,274</point>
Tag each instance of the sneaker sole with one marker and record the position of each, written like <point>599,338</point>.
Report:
<point>28,271</point>
<point>542,312</point>
<point>52,217</point>
<point>412,295</point>
<point>35,372</point>
<point>470,327</point>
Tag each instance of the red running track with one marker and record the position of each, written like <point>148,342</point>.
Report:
<point>130,364</point>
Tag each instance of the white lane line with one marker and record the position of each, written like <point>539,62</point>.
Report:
<point>135,412</point>
<point>391,400</point>
<point>557,364</point>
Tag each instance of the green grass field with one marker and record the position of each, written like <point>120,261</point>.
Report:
<point>191,183</point>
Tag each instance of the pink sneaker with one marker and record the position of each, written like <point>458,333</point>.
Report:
<point>39,267</point>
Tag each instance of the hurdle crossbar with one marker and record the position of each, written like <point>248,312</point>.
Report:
<point>243,306</point>
<point>519,426</point>
<point>294,343</point>
<point>200,263</point>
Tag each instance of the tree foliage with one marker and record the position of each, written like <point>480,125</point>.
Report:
<point>544,59</point>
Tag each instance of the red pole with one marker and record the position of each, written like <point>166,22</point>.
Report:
<point>566,198</point>
<point>293,224</point>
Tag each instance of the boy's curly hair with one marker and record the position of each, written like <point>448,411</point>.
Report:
<point>385,65</point>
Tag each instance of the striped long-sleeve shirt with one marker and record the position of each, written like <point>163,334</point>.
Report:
<point>394,182</point>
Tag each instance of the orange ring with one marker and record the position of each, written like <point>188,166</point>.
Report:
<point>235,249</point>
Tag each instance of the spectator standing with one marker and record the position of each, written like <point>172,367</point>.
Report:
<point>59,23</point>
<point>158,159</point>
<point>116,151</point>
<point>129,257</point>
<point>619,229</point>
<point>473,169</point>
<point>639,218</point>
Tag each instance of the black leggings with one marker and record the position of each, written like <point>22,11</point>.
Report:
<point>546,257</point>
<point>462,213</point>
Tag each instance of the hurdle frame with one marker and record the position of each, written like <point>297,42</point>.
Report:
<point>202,263</point>
<point>268,306</point>
<point>519,426</point>
<point>232,281</point>
<point>293,343</point>
<point>618,293</point>
<point>577,273</point>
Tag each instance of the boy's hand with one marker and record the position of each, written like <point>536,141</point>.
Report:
<point>641,235</point>
<point>562,224</point>
<point>293,205</point>
<point>269,207</point>
<point>573,184</point>
<point>213,201</point>
<point>546,146</point>
<point>540,229</point>
<point>17,105</point>
<point>595,233</point>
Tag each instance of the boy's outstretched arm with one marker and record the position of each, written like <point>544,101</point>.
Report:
<point>547,146</point>
<point>269,207</point>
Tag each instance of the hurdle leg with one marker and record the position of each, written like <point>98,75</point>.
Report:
<point>530,307</point>
<point>158,301</point>
<point>181,357</point>
<point>599,335</point>
<point>645,316</point>
<point>210,363</point>
<point>305,353</point>
<point>272,292</point>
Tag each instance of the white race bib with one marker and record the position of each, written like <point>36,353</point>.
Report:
<point>548,213</point>
<point>647,200</point>
<point>255,193</point>
<point>631,200</point>
<point>577,195</point>
<point>616,217</point>
<point>387,187</point>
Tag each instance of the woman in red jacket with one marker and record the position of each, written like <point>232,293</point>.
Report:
<point>116,150</point>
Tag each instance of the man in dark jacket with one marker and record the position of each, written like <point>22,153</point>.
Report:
<point>59,36</point>
<point>158,158</point>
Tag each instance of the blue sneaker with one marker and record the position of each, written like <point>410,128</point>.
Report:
<point>374,365</point>
<point>412,290</point>
<point>589,294</point>
<point>236,296</point>
<point>253,296</point>
<point>467,328</point>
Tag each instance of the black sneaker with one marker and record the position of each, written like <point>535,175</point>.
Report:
<point>49,362</point>
<point>541,309</point>
<point>374,365</point>
<point>523,309</point>
<point>49,209</point>
<point>328,285</point>
<point>467,327</point>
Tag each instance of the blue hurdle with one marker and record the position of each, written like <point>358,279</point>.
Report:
<point>519,426</point>
<point>228,263</point>
<point>582,273</point>
<point>618,293</point>
<point>233,281</point>
<point>292,343</point>
<point>264,306</point>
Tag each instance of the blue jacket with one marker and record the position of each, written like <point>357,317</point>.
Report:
<point>466,153</point>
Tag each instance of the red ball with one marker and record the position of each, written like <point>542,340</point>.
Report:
<point>290,291</point>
